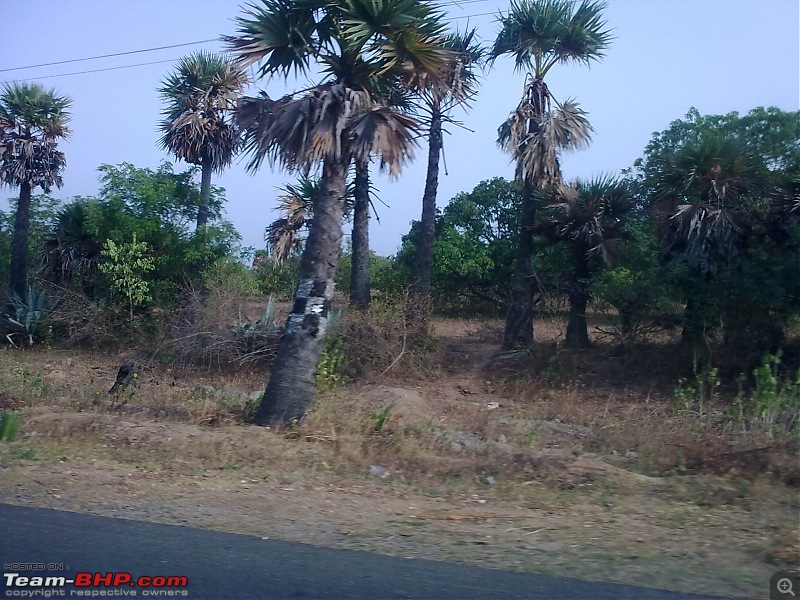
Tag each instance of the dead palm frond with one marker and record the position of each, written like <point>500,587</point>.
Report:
<point>535,134</point>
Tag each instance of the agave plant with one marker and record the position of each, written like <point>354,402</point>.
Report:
<point>30,314</point>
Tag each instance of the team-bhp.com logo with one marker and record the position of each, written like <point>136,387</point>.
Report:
<point>95,585</point>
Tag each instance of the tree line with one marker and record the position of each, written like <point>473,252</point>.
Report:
<point>713,200</point>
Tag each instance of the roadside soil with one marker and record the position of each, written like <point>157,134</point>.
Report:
<point>463,469</point>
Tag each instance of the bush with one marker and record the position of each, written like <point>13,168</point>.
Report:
<point>231,274</point>
<point>213,331</point>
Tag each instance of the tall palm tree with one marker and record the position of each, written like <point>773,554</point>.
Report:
<point>437,103</point>
<point>540,34</point>
<point>32,121</point>
<point>341,119</point>
<point>588,217</point>
<point>198,126</point>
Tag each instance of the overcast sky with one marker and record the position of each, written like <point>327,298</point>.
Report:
<point>667,56</point>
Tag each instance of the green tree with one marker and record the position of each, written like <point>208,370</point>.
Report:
<point>32,121</point>
<point>473,251</point>
<point>198,125</point>
<point>126,265</point>
<point>539,35</point>
<point>357,43</point>
<point>159,207</point>
<point>724,190</point>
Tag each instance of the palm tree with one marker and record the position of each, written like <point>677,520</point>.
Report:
<point>587,216</point>
<point>541,34</point>
<point>198,127</point>
<point>71,253</point>
<point>357,43</point>
<point>704,196</point>
<point>437,103</point>
<point>32,121</point>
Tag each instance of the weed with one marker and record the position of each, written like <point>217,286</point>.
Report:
<point>380,417</point>
<point>773,403</point>
<point>27,454</point>
<point>694,400</point>
<point>329,371</point>
<point>9,424</point>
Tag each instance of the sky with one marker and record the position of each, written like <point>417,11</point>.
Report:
<point>667,56</point>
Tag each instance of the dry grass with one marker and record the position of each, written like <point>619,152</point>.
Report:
<point>592,436</point>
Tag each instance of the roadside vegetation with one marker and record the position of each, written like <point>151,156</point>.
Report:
<point>602,374</point>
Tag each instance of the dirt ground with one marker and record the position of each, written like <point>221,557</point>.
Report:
<point>462,470</point>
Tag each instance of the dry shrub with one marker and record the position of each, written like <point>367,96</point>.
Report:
<point>215,330</point>
<point>79,321</point>
<point>375,343</point>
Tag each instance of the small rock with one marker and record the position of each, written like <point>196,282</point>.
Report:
<point>492,405</point>
<point>490,480</point>
<point>379,471</point>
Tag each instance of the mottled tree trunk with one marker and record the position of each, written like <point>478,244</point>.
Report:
<point>420,288</point>
<point>290,391</point>
<point>359,272</point>
<point>19,243</point>
<point>518,331</point>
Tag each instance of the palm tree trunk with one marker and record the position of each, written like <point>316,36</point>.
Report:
<point>19,243</point>
<point>205,194</point>
<point>359,272</point>
<point>577,327</point>
<point>290,391</point>
<point>518,331</point>
<point>420,288</point>
<point>202,217</point>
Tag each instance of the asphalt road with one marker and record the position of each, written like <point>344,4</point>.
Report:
<point>223,565</point>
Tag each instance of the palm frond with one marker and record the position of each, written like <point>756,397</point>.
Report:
<point>282,34</point>
<point>542,33</point>
<point>386,133</point>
